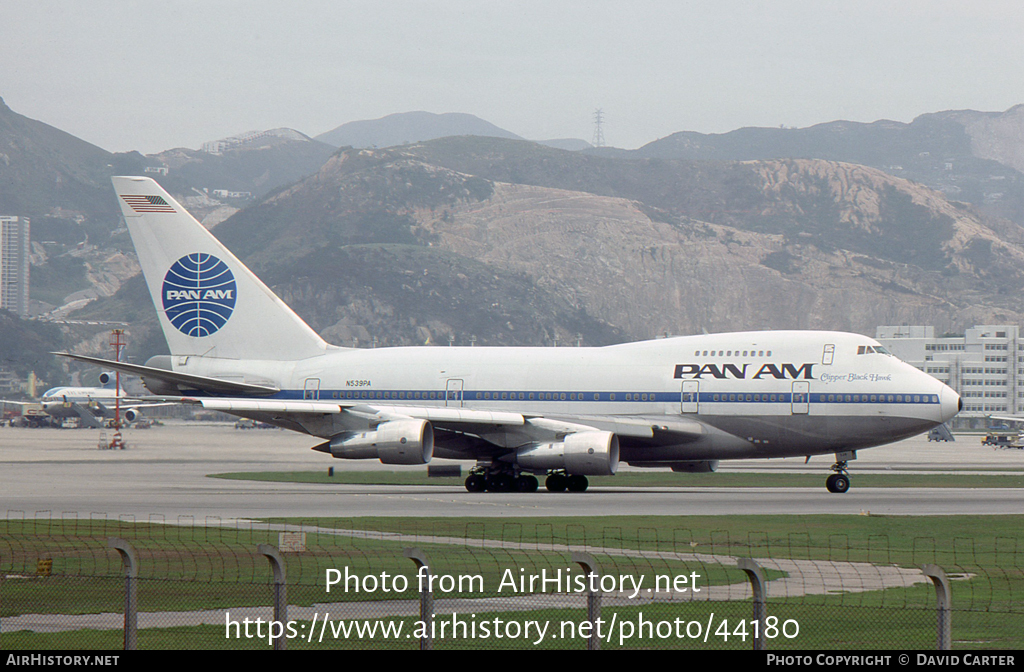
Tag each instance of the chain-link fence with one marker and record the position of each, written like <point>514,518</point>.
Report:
<point>98,583</point>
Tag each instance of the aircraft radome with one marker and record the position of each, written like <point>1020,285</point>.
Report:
<point>683,403</point>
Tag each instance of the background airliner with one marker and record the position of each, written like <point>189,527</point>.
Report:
<point>92,405</point>
<point>682,403</point>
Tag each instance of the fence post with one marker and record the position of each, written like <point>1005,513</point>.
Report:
<point>590,568</point>
<point>130,561</point>
<point>426,594</point>
<point>943,598</point>
<point>757,585</point>
<point>280,590</point>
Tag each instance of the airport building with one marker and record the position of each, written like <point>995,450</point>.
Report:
<point>985,366</point>
<point>14,264</point>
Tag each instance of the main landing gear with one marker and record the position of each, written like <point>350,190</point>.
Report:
<point>483,479</point>
<point>560,482</point>
<point>840,480</point>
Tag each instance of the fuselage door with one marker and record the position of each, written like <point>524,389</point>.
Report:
<point>690,395</point>
<point>828,354</point>
<point>801,397</point>
<point>312,389</point>
<point>453,395</point>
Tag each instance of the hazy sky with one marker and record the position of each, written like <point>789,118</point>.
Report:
<point>151,75</point>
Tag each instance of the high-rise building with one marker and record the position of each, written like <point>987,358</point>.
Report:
<point>14,264</point>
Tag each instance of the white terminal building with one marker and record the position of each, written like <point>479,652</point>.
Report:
<point>985,366</point>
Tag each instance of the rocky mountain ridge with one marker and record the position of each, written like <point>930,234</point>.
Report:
<point>502,241</point>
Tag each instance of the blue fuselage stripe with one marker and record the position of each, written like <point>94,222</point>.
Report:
<point>609,397</point>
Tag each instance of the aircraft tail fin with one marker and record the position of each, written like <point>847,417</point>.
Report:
<point>209,302</point>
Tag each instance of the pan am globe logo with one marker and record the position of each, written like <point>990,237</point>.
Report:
<point>199,294</point>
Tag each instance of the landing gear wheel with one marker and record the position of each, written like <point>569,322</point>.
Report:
<point>499,483</point>
<point>476,483</point>
<point>556,483</point>
<point>577,484</point>
<point>838,483</point>
<point>526,483</point>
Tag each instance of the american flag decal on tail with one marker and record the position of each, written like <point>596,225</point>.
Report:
<point>147,203</point>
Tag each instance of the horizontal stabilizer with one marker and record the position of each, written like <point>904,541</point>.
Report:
<point>186,380</point>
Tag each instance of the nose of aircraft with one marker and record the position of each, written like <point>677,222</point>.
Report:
<point>949,403</point>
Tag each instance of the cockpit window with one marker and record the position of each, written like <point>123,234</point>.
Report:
<point>871,349</point>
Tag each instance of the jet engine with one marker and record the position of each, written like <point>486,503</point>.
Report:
<point>131,415</point>
<point>394,442</point>
<point>107,377</point>
<point>582,453</point>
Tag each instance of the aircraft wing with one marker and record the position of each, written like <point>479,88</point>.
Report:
<point>1007,418</point>
<point>368,411</point>
<point>649,430</point>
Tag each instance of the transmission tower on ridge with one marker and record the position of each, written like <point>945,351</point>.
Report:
<point>598,140</point>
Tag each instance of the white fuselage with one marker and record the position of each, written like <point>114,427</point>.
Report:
<point>58,401</point>
<point>780,393</point>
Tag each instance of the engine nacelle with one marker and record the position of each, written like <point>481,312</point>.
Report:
<point>395,442</point>
<point>107,377</point>
<point>695,467</point>
<point>131,415</point>
<point>582,453</point>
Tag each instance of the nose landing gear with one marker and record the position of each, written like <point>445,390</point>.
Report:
<point>840,481</point>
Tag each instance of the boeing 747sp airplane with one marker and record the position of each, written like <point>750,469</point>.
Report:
<point>567,413</point>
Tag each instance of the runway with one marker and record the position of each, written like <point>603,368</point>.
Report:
<point>163,475</point>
